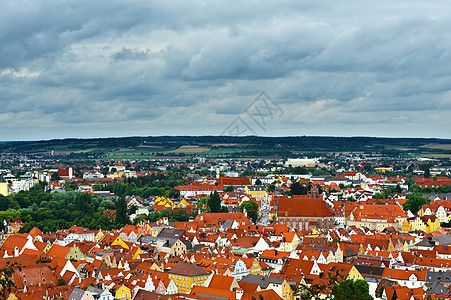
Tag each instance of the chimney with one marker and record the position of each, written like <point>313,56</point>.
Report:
<point>239,293</point>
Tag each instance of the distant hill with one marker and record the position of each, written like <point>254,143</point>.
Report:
<point>239,146</point>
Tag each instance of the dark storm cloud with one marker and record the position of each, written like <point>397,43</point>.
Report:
<point>84,68</point>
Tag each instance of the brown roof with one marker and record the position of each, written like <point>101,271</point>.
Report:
<point>146,295</point>
<point>225,181</point>
<point>188,269</point>
<point>39,274</point>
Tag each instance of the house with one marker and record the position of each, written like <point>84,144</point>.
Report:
<point>76,233</point>
<point>79,294</point>
<point>72,252</point>
<point>279,285</point>
<point>16,244</point>
<point>215,220</point>
<point>34,276</point>
<point>274,258</point>
<point>66,174</point>
<point>426,223</point>
<point>257,192</point>
<point>290,241</point>
<point>123,292</point>
<point>408,278</point>
<point>304,213</point>
<point>168,241</point>
<point>376,217</point>
<point>186,275</point>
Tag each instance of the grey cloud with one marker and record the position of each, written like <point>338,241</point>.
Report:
<point>131,54</point>
<point>190,67</point>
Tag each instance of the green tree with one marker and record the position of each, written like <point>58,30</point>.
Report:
<point>201,202</point>
<point>378,196</point>
<point>271,187</point>
<point>414,203</point>
<point>105,171</point>
<point>368,168</point>
<point>351,290</point>
<point>214,203</point>
<point>297,188</point>
<point>251,209</point>
<point>121,211</point>
<point>228,189</point>
<point>339,289</point>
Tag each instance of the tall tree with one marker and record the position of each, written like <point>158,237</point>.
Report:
<point>214,203</point>
<point>121,211</point>
<point>297,188</point>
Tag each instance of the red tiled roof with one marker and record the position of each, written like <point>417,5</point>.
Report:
<point>300,206</point>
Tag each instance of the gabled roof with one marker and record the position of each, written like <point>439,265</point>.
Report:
<point>222,282</point>
<point>58,251</point>
<point>262,281</point>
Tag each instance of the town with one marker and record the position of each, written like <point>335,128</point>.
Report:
<point>199,227</point>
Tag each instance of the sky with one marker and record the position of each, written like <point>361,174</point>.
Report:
<point>104,68</point>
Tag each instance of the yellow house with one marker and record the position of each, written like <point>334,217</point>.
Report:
<point>347,270</point>
<point>391,247</point>
<point>12,296</point>
<point>4,189</point>
<point>183,203</point>
<point>47,247</point>
<point>405,226</point>
<point>330,257</point>
<point>339,254</point>
<point>155,267</point>
<point>426,223</point>
<point>405,247</point>
<point>123,292</point>
<point>166,202</point>
<point>257,192</point>
<point>383,169</point>
<point>253,265</point>
<point>287,292</point>
<point>354,274</point>
<point>290,241</point>
<point>119,242</point>
<point>362,249</point>
<point>185,275</point>
<point>137,252</point>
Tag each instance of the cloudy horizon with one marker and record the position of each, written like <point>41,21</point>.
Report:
<point>76,69</point>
